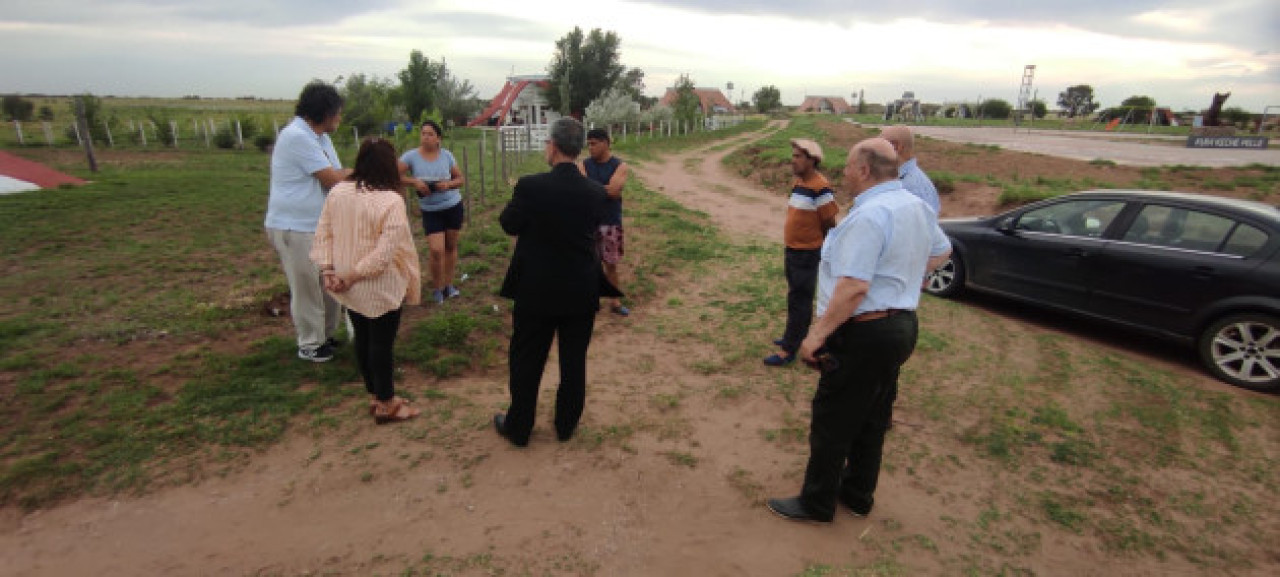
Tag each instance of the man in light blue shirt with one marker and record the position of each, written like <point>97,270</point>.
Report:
<point>304,166</point>
<point>868,290</point>
<point>913,178</point>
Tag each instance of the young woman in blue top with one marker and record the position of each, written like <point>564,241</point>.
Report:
<point>434,175</point>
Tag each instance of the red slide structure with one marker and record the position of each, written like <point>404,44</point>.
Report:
<point>501,103</point>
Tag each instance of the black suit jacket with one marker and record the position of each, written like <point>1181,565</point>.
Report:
<point>555,269</point>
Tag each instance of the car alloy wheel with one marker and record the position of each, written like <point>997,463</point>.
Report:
<point>946,280</point>
<point>1244,350</point>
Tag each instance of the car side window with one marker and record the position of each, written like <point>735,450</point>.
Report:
<point>1182,228</point>
<point>1245,241</point>
<point>1089,218</point>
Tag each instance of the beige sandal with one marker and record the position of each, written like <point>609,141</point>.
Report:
<point>394,411</point>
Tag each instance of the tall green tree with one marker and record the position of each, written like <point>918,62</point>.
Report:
<point>583,67</point>
<point>767,99</point>
<point>1038,108</point>
<point>687,107</point>
<point>419,85</point>
<point>455,97</point>
<point>367,102</point>
<point>1077,100</point>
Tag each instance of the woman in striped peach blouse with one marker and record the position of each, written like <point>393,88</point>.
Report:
<point>365,251</point>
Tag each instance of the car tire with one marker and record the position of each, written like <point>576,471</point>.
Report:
<point>1244,350</point>
<point>948,279</point>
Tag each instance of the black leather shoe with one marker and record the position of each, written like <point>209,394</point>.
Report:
<point>564,437</point>
<point>857,507</point>
<point>500,425</point>
<point>792,509</point>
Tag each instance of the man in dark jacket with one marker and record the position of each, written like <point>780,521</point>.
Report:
<point>556,281</point>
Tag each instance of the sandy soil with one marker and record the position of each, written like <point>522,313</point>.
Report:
<point>458,500</point>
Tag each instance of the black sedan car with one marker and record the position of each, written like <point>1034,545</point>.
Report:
<point>1198,269</point>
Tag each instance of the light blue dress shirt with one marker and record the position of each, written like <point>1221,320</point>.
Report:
<point>917,182</point>
<point>886,240</point>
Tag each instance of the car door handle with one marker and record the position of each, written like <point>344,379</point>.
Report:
<point>1077,252</point>
<point>1204,272</point>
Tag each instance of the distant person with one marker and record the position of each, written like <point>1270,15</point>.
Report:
<point>365,251</point>
<point>913,178</point>
<point>868,290</point>
<point>556,281</point>
<point>304,166</point>
<point>434,174</point>
<point>811,212</point>
<point>611,172</point>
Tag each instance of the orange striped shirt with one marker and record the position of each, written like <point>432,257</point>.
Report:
<point>367,232</point>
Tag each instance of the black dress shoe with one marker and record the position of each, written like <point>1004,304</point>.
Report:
<point>792,509</point>
<point>564,437</point>
<point>857,507</point>
<point>500,425</point>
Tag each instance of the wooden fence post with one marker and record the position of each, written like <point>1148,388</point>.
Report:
<point>87,141</point>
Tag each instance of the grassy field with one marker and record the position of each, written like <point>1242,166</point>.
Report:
<point>125,295</point>
<point>137,354</point>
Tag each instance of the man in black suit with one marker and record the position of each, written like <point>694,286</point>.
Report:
<point>556,281</point>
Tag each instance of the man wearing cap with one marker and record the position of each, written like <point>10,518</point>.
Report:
<point>811,212</point>
<point>868,290</point>
<point>913,178</point>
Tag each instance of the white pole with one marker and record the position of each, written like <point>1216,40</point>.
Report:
<point>142,131</point>
<point>76,127</point>
<point>173,125</point>
<point>48,132</point>
<point>207,125</point>
<point>110,141</point>
<point>17,126</point>
<point>239,136</point>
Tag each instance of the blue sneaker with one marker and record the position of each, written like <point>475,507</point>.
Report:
<point>776,360</point>
<point>437,296</point>
<point>451,292</point>
<point>620,310</point>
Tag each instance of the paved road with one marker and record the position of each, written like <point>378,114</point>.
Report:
<point>1123,148</point>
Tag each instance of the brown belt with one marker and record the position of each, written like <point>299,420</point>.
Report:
<point>877,315</point>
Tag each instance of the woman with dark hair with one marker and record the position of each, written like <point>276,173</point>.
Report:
<point>366,255</point>
<point>304,166</point>
<point>434,174</point>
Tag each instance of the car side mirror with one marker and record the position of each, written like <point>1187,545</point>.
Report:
<point>1005,225</point>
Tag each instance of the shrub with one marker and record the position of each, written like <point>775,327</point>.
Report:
<point>18,108</point>
<point>225,137</point>
<point>264,141</point>
<point>995,108</point>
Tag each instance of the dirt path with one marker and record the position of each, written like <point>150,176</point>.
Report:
<point>666,477</point>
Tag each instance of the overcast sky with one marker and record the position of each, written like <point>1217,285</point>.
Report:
<point>1177,51</point>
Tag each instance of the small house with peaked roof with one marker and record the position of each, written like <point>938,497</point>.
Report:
<point>711,100</point>
<point>825,104</point>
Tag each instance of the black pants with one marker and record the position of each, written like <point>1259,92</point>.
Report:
<point>374,341</point>
<point>851,411</point>
<point>530,344</point>
<point>802,283</point>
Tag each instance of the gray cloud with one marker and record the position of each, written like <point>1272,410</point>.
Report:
<point>252,12</point>
<point>1252,24</point>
